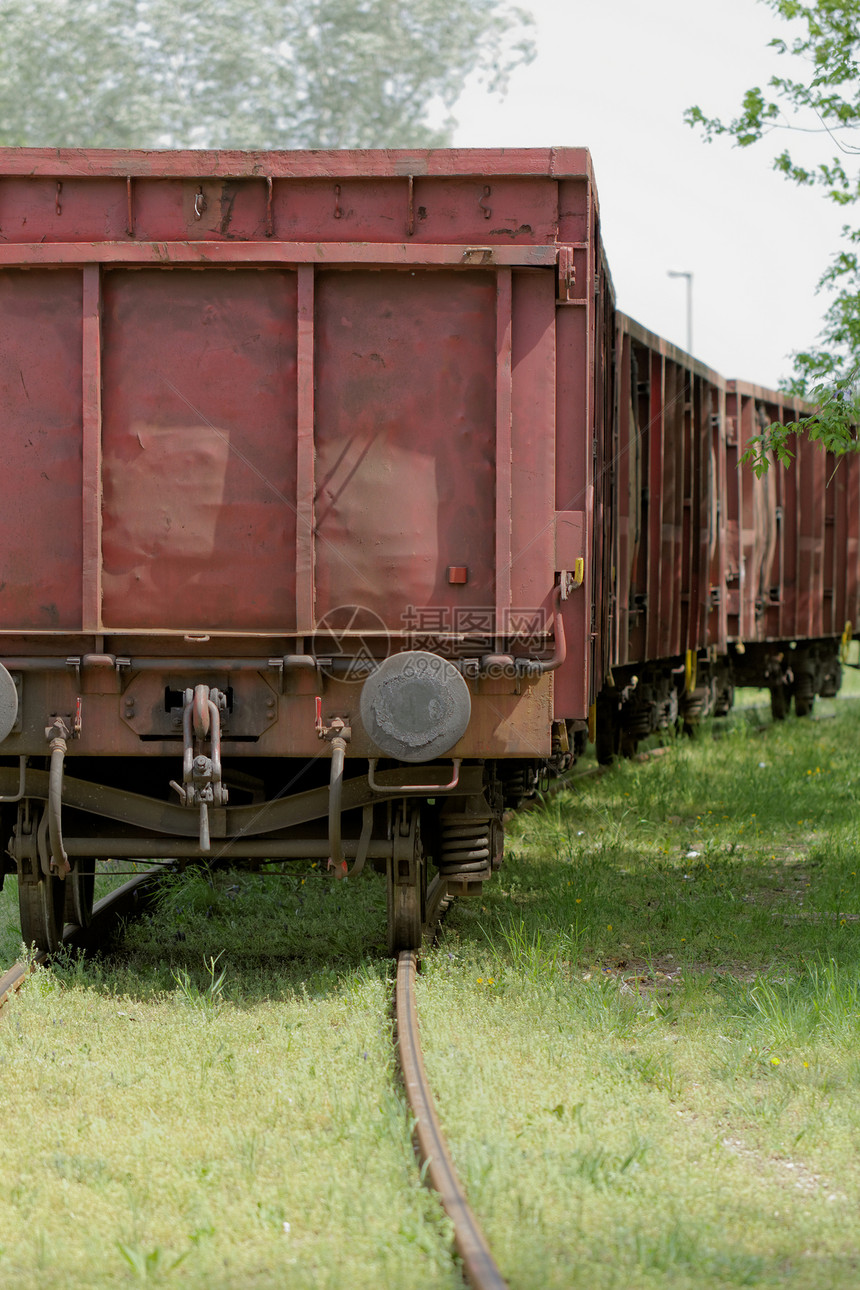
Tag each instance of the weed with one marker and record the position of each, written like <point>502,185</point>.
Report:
<point>822,998</point>
<point>603,1169</point>
<point>149,1265</point>
<point>206,1000</point>
<point>533,954</point>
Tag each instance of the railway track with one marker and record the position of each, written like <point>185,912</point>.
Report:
<point>478,1266</point>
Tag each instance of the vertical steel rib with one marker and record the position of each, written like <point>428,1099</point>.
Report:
<point>478,1264</point>
<point>305,485</point>
<point>91,451</point>
<point>504,433</point>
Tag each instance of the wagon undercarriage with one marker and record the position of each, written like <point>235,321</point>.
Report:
<point>384,822</point>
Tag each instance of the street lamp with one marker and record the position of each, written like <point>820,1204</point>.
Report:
<point>683,273</point>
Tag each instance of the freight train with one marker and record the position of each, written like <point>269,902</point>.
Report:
<point>339,503</point>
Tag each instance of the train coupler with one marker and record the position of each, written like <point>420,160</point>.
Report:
<point>201,785</point>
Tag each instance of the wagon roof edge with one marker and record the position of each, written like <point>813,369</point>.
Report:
<point>555,163</point>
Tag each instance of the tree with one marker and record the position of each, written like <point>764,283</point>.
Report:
<point>247,73</point>
<point>824,97</point>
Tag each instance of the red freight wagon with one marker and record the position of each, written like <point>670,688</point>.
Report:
<point>717,578</point>
<point>667,635</point>
<point>300,529</point>
<point>791,575</point>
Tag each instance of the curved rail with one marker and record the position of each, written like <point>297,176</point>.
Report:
<point>479,1265</point>
<point>105,911</point>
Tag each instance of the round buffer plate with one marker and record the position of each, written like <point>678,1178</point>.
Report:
<point>415,706</point>
<point>8,703</point>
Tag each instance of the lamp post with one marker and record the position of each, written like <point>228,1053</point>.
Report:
<point>683,273</point>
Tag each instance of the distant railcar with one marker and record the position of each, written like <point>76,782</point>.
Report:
<point>717,578</point>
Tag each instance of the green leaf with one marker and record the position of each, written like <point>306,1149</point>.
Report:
<point>826,103</point>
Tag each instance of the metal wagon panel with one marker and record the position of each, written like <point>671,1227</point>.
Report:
<point>199,450</point>
<point>41,400</point>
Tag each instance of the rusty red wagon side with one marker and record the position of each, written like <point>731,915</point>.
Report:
<point>667,631</point>
<point>792,558</point>
<point>717,577</point>
<point>297,511</point>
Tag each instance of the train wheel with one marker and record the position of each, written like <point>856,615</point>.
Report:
<point>607,735</point>
<point>42,908</point>
<point>605,745</point>
<point>407,883</point>
<point>405,918</point>
<point>779,701</point>
<point>80,886</point>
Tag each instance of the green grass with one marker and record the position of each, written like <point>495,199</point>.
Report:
<point>656,1012</point>
<point>644,1041</point>
<point>213,1103</point>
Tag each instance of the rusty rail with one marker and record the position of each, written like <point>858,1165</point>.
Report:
<point>479,1266</point>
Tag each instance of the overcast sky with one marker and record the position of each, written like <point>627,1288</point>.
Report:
<point>616,77</point>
